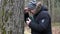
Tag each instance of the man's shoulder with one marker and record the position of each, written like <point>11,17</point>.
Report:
<point>44,12</point>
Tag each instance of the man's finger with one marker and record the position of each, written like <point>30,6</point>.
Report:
<point>29,19</point>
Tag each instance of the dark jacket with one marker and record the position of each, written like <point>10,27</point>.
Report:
<point>41,23</point>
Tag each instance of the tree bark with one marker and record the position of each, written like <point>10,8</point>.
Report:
<point>12,16</point>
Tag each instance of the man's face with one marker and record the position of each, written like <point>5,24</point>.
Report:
<point>33,11</point>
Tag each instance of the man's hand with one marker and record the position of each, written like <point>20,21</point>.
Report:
<point>26,10</point>
<point>29,21</point>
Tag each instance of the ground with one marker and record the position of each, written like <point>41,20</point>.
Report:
<point>55,29</point>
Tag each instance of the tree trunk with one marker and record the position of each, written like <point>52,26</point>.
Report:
<point>12,16</point>
<point>53,14</point>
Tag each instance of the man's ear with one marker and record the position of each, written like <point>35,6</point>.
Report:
<point>38,8</point>
<point>39,3</point>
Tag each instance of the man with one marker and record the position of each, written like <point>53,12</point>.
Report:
<point>41,21</point>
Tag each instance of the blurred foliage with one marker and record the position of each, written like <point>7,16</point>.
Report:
<point>56,24</point>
